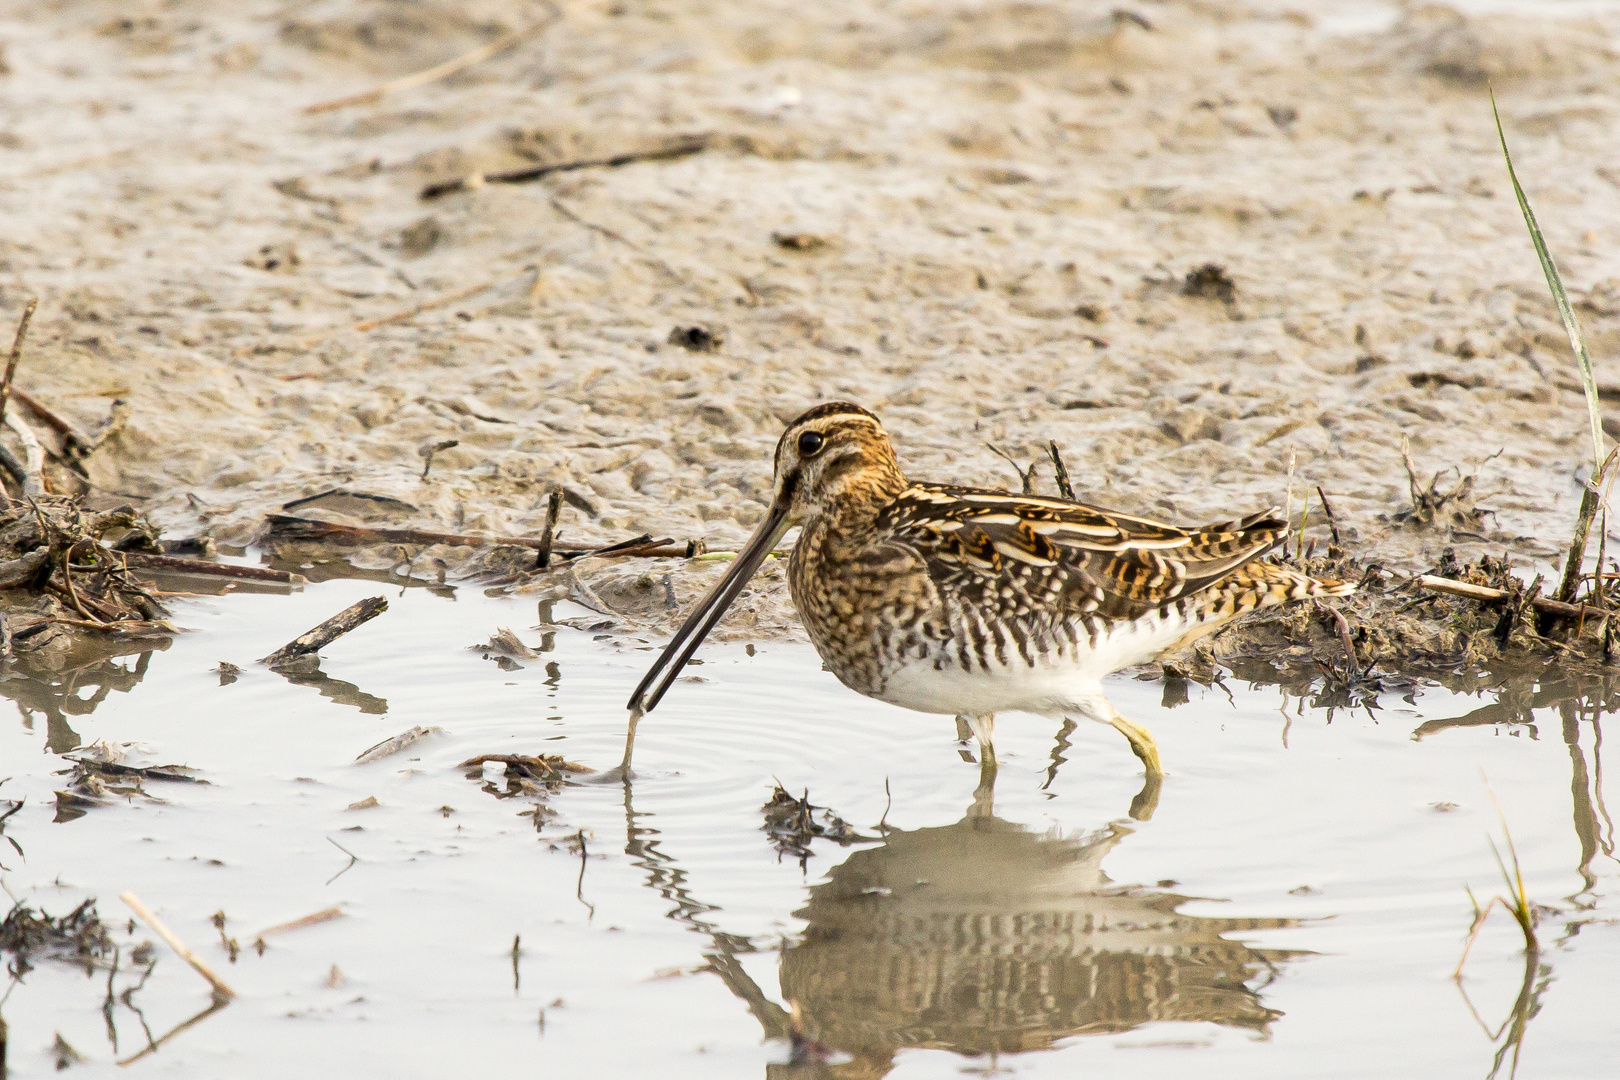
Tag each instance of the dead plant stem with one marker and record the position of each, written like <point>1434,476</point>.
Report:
<point>439,71</point>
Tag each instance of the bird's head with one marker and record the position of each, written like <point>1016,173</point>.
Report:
<point>833,454</point>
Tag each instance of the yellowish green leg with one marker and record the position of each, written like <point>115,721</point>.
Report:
<point>1141,740</point>
<point>984,730</point>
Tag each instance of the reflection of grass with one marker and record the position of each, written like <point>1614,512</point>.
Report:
<point>1590,498</point>
<point>1518,904</point>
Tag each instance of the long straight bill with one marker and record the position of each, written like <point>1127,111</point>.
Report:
<point>708,612</point>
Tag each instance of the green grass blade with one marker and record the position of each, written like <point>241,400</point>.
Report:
<point>1560,298</point>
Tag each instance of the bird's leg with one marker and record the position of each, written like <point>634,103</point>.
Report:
<point>1098,708</point>
<point>984,730</point>
<point>1141,740</point>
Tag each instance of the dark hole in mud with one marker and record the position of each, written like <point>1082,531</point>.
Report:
<point>705,339</point>
<point>1210,282</point>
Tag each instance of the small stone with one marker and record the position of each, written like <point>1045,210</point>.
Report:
<point>418,239</point>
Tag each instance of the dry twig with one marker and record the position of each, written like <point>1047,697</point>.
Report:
<point>1065,488</point>
<point>314,640</point>
<point>439,71</point>
<point>1486,594</point>
<point>33,482</point>
<point>325,915</point>
<point>542,550</point>
<point>16,352</point>
<point>685,146</point>
<point>177,945</point>
<point>287,527</point>
<point>439,301</point>
<point>141,560</point>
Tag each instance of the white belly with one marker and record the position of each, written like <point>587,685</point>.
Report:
<point>1054,683</point>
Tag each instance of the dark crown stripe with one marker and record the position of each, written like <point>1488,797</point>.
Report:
<point>831,408</point>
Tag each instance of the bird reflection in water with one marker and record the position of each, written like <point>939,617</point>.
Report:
<point>983,938</point>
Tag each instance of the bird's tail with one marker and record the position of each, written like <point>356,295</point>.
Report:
<point>1266,584</point>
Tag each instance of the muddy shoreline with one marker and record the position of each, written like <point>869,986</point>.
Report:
<point>1221,256</point>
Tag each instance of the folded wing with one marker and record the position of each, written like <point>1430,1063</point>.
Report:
<point>1025,554</point>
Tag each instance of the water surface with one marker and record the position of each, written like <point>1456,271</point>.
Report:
<point>1293,905</point>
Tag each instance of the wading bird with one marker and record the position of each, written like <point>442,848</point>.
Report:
<point>970,602</point>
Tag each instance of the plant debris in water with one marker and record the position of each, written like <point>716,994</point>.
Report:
<point>51,549</point>
<point>79,937</point>
<point>791,823</point>
<point>531,776</point>
<point>9,807</point>
<point>98,776</point>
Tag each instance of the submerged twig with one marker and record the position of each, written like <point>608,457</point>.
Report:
<point>324,915</point>
<point>395,744</point>
<point>353,858</point>
<point>152,1044</point>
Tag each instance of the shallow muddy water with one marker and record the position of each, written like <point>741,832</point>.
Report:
<point>1293,905</point>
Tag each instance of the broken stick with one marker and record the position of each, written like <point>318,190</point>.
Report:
<point>1486,594</point>
<point>33,482</point>
<point>16,353</point>
<point>140,560</point>
<point>542,550</point>
<point>1065,488</point>
<point>177,945</point>
<point>288,527</point>
<point>326,915</point>
<point>313,641</point>
<point>682,147</point>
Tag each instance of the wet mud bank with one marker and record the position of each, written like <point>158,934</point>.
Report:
<point>1190,246</point>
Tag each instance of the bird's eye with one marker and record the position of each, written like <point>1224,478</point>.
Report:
<point>810,443</point>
